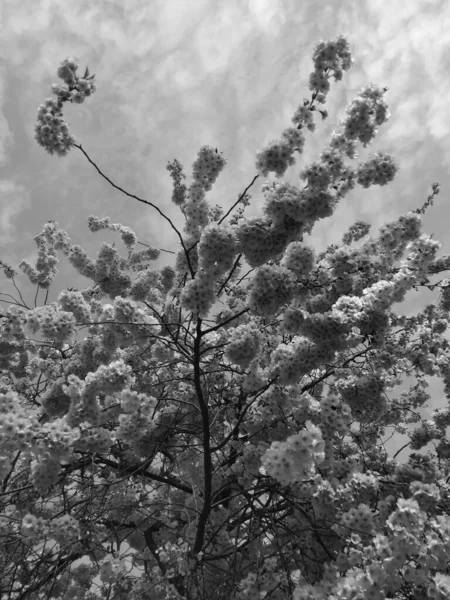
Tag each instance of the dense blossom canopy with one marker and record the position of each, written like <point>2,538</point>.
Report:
<point>218,431</point>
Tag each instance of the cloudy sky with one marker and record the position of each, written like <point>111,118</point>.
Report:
<point>173,75</point>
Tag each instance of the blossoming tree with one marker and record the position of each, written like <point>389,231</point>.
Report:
<point>218,434</point>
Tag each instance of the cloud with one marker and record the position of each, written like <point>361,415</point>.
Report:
<point>14,198</point>
<point>6,137</point>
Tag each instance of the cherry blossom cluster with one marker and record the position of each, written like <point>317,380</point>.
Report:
<point>206,169</point>
<point>278,155</point>
<point>335,416</point>
<point>175,169</point>
<point>198,294</point>
<point>45,270</point>
<point>259,243</point>
<point>8,271</point>
<point>84,393</point>
<point>137,428</point>
<point>357,231</point>
<point>136,323</point>
<point>364,395</point>
<point>323,329</point>
<point>128,236</point>
<point>54,323</point>
<point>208,166</point>
<point>74,302</point>
<point>394,236</point>
<point>93,439</point>
<point>291,362</point>
<point>271,288</point>
<point>51,131</point>
<point>293,459</point>
<point>243,344</point>
<point>216,249</point>
<point>367,112</point>
<point>65,529</point>
<point>44,473</point>
<point>299,258</point>
<point>33,526</point>
<point>264,582</point>
<point>56,439</point>
<point>17,429</point>
<point>112,569</point>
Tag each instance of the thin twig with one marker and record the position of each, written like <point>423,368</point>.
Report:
<point>239,199</point>
<point>23,301</point>
<point>140,200</point>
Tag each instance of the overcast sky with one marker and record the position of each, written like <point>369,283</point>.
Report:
<point>173,75</point>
